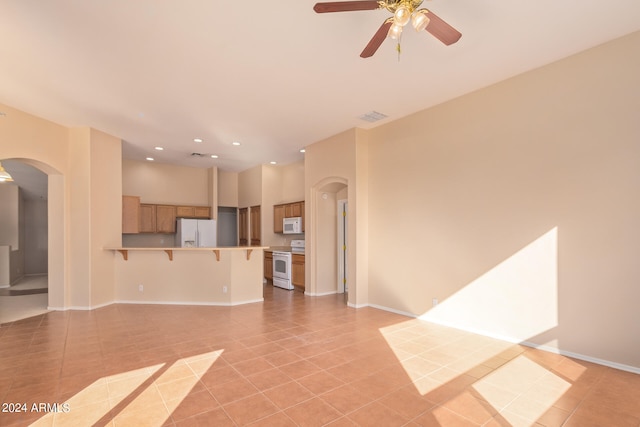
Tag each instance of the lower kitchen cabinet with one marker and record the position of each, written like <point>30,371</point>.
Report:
<point>268,265</point>
<point>297,270</point>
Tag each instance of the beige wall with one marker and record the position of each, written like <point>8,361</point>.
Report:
<point>330,165</point>
<point>292,185</point>
<point>162,183</point>
<point>280,184</point>
<point>227,188</point>
<point>528,187</point>
<point>268,185</point>
<point>44,145</point>
<point>106,215</point>
<point>250,187</point>
<point>74,160</point>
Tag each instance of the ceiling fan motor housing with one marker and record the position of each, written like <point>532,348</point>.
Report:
<point>393,5</point>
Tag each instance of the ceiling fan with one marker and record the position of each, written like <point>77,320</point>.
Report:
<point>403,12</point>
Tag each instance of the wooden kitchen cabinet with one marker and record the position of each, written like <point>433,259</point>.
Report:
<point>268,265</point>
<point>243,226</point>
<point>287,210</point>
<point>292,210</point>
<point>256,226</point>
<point>147,222</point>
<point>278,216</point>
<point>203,212</point>
<point>130,214</point>
<point>165,219</point>
<point>200,212</point>
<point>297,270</point>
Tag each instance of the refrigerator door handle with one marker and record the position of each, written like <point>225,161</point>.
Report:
<point>197,238</point>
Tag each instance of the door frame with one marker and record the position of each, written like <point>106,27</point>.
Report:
<point>342,285</point>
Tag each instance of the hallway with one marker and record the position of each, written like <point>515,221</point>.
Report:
<point>25,299</point>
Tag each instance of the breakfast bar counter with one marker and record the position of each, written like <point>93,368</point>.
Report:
<point>198,276</point>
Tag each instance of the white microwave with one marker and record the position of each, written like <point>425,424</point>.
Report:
<point>292,225</point>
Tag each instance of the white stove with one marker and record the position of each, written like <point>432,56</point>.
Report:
<point>282,265</point>
<point>297,246</point>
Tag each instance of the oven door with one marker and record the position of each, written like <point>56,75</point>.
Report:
<point>282,270</point>
<point>282,265</point>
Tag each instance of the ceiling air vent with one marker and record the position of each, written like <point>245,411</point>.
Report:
<point>372,116</point>
<point>198,155</point>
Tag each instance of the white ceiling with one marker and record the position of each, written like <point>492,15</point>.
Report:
<point>274,76</point>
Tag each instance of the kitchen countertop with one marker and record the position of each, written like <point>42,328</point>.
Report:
<point>282,249</point>
<point>170,249</point>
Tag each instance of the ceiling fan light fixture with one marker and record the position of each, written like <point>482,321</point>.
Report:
<point>402,15</point>
<point>395,32</point>
<point>420,20</point>
<point>4,175</point>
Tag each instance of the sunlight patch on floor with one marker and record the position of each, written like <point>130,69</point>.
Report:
<point>143,396</point>
<point>521,390</point>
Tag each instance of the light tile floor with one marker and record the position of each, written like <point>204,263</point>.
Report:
<point>13,308</point>
<point>292,360</point>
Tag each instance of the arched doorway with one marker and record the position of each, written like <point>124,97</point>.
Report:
<point>329,260</point>
<point>40,249</point>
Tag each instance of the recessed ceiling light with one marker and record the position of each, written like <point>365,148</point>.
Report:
<point>214,156</point>
<point>274,163</point>
<point>302,150</point>
<point>197,140</point>
<point>159,148</point>
<point>150,159</point>
<point>235,143</point>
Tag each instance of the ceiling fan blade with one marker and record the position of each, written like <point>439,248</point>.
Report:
<point>346,6</point>
<point>441,30</point>
<point>377,39</point>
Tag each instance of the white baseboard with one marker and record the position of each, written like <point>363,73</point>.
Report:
<point>615,365</point>
<point>358,305</point>
<point>213,304</point>
<point>221,304</point>
<point>320,294</point>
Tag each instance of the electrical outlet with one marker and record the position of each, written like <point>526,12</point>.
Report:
<point>224,289</point>
<point>141,288</point>
<point>434,301</point>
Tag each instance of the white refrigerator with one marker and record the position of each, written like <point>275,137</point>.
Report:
<point>196,233</point>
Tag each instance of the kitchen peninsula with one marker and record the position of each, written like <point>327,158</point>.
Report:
<point>199,276</point>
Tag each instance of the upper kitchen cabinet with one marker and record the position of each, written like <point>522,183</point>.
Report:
<point>199,212</point>
<point>278,216</point>
<point>165,219</point>
<point>130,214</point>
<point>147,218</point>
<point>292,210</point>
<point>287,210</point>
